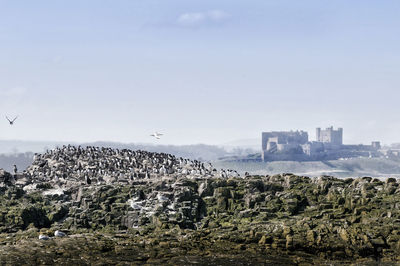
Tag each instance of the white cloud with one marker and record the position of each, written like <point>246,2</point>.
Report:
<point>217,15</point>
<point>200,18</point>
<point>57,59</point>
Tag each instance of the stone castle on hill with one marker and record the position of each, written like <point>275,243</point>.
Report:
<point>295,146</point>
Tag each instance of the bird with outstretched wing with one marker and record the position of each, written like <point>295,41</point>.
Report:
<point>156,135</point>
<point>11,121</point>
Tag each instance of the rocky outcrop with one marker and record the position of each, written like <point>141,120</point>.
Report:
<point>307,219</point>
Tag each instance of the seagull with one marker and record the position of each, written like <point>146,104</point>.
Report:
<point>59,233</point>
<point>43,237</point>
<point>156,135</point>
<point>12,121</point>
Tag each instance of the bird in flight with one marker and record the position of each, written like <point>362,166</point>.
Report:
<point>156,135</point>
<point>11,121</point>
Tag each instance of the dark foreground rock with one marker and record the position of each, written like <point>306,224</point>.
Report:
<point>169,248</point>
<point>175,219</point>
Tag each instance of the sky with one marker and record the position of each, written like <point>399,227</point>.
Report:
<point>200,71</point>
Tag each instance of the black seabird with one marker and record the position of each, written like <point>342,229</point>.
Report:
<point>11,121</point>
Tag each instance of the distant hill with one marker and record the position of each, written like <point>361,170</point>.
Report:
<point>253,144</point>
<point>355,167</point>
<point>196,151</point>
<point>22,160</point>
<point>22,146</point>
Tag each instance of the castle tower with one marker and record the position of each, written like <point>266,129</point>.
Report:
<point>340,136</point>
<point>329,135</point>
<point>318,134</point>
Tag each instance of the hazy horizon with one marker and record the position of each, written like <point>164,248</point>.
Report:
<point>231,143</point>
<point>199,71</point>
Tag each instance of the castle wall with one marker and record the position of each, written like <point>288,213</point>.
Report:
<point>281,144</point>
<point>279,140</point>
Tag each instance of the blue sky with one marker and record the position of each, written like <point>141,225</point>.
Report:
<point>200,71</point>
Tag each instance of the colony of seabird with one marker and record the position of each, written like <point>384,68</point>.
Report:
<point>106,165</point>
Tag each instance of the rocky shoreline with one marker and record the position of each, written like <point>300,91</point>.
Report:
<point>193,218</point>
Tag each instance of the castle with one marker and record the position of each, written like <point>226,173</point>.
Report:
<point>295,146</point>
<point>330,135</point>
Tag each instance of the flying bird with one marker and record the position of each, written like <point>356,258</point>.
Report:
<point>11,121</point>
<point>156,135</point>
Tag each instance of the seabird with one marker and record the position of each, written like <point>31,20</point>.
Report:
<point>88,180</point>
<point>156,135</point>
<point>43,237</point>
<point>58,233</point>
<point>11,121</point>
